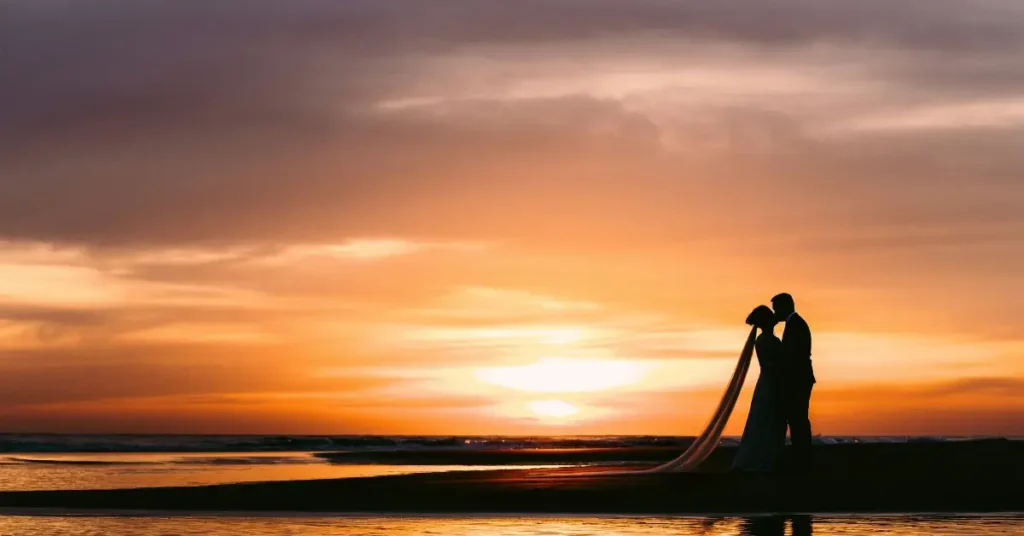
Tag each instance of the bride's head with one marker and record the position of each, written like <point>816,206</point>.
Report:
<point>762,317</point>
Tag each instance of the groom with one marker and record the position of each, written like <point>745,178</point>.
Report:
<point>798,378</point>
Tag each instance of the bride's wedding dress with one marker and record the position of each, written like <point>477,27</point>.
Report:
<point>764,436</point>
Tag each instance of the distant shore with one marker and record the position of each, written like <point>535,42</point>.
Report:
<point>963,477</point>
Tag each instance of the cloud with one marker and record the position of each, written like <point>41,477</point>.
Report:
<point>992,386</point>
<point>982,386</point>
<point>106,373</point>
<point>265,128</point>
<point>476,181</point>
<point>980,405</point>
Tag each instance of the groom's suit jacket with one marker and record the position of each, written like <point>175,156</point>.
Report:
<point>796,347</point>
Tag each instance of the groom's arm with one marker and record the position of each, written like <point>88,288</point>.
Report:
<point>797,351</point>
<point>799,342</point>
<point>796,345</point>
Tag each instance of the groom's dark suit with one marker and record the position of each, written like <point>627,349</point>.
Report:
<point>799,380</point>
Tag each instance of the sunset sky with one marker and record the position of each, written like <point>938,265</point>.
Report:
<point>497,217</point>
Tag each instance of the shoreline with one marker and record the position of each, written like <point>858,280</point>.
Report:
<point>980,477</point>
<point>86,512</point>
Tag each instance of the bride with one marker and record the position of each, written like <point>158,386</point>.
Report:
<point>764,436</point>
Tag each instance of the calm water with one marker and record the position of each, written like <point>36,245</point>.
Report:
<point>94,462</point>
<point>511,526</point>
<point>58,461</point>
<point>23,472</point>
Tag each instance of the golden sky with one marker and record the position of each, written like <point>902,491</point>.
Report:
<point>505,218</point>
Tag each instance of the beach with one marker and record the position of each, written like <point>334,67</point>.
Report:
<point>951,476</point>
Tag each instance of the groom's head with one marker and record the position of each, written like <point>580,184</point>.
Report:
<point>783,306</point>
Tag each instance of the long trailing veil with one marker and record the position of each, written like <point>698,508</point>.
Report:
<point>706,442</point>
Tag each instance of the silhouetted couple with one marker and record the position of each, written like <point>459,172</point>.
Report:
<point>782,395</point>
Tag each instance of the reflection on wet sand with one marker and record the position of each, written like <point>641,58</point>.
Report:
<point>163,523</point>
<point>776,525</point>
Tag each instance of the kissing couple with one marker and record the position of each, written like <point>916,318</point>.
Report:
<point>782,395</point>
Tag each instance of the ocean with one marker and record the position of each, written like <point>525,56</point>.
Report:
<point>66,462</point>
<point>77,462</point>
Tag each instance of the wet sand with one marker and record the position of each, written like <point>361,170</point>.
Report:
<point>978,476</point>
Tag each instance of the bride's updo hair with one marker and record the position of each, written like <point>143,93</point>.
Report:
<point>762,316</point>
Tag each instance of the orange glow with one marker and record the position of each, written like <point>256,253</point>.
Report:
<point>556,375</point>
<point>556,409</point>
<point>498,219</point>
<point>465,359</point>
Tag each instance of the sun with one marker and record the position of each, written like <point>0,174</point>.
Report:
<point>560,375</point>
<point>556,409</point>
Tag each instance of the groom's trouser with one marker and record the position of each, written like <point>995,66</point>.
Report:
<point>800,424</point>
